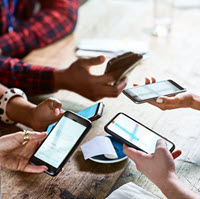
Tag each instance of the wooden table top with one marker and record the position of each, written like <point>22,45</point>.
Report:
<point>174,57</point>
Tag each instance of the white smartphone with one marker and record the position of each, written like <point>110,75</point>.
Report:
<point>149,92</point>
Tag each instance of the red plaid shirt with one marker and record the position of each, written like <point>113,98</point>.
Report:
<point>54,20</point>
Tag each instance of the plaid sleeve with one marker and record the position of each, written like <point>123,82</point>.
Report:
<point>54,21</point>
<point>32,79</point>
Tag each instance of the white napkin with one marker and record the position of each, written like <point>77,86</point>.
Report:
<point>131,191</point>
<point>99,145</point>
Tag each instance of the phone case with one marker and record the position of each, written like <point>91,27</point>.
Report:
<point>123,63</point>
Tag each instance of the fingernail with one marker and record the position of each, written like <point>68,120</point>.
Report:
<point>45,168</point>
<point>57,111</point>
<point>101,58</point>
<point>158,100</point>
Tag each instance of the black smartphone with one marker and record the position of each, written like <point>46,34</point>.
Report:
<point>135,134</point>
<point>123,64</point>
<point>149,92</point>
<point>92,113</point>
<point>61,142</point>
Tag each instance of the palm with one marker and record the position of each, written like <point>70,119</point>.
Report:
<point>15,154</point>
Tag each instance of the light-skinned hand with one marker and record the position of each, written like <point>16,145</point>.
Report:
<point>181,100</point>
<point>15,153</point>
<point>158,167</point>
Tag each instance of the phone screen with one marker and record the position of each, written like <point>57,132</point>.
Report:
<point>60,141</point>
<point>87,113</point>
<point>153,90</point>
<point>135,133</point>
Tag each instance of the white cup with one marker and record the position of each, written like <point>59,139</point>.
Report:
<point>163,15</point>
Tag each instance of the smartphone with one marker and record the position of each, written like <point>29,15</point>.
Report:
<point>61,142</point>
<point>149,92</point>
<point>135,134</point>
<point>92,113</point>
<point>123,64</point>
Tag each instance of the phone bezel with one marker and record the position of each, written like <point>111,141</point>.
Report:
<point>51,169</point>
<point>126,141</point>
<point>137,100</point>
<point>98,113</point>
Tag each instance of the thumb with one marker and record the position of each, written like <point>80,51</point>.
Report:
<point>167,100</point>
<point>132,153</point>
<point>87,63</point>
<point>161,145</point>
<point>54,103</point>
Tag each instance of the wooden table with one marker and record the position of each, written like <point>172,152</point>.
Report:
<point>176,57</point>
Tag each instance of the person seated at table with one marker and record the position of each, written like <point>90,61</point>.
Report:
<point>23,29</point>
<point>31,24</point>
<point>160,169</point>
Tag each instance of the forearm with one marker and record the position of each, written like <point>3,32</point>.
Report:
<point>173,189</point>
<point>32,79</point>
<point>18,109</point>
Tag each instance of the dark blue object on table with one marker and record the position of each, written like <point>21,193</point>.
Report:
<point>118,146</point>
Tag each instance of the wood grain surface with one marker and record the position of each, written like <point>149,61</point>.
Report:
<point>174,57</point>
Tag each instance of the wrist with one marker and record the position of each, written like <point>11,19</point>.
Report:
<point>168,186</point>
<point>195,102</point>
<point>173,188</point>
<point>58,79</point>
<point>20,110</point>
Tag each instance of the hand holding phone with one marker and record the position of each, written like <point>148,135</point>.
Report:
<point>61,142</point>
<point>92,113</point>
<point>149,92</point>
<point>135,134</point>
<point>123,64</point>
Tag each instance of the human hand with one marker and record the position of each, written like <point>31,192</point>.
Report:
<point>0,51</point>
<point>46,113</point>
<point>181,100</point>
<point>79,79</point>
<point>158,167</point>
<point>15,153</point>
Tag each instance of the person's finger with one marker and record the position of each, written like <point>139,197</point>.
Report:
<point>134,154</point>
<point>153,79</point>
<point>113,91</point>
<point>109,77</point>
<point>161,145</point>
<point>135,84</point>
<point>147,80</point>
<point>165,100</point>
<point>176,154</point>
<point>35,169</point>
<point>32,136</point>
<point>87,63</point>
<point>54,103</point>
